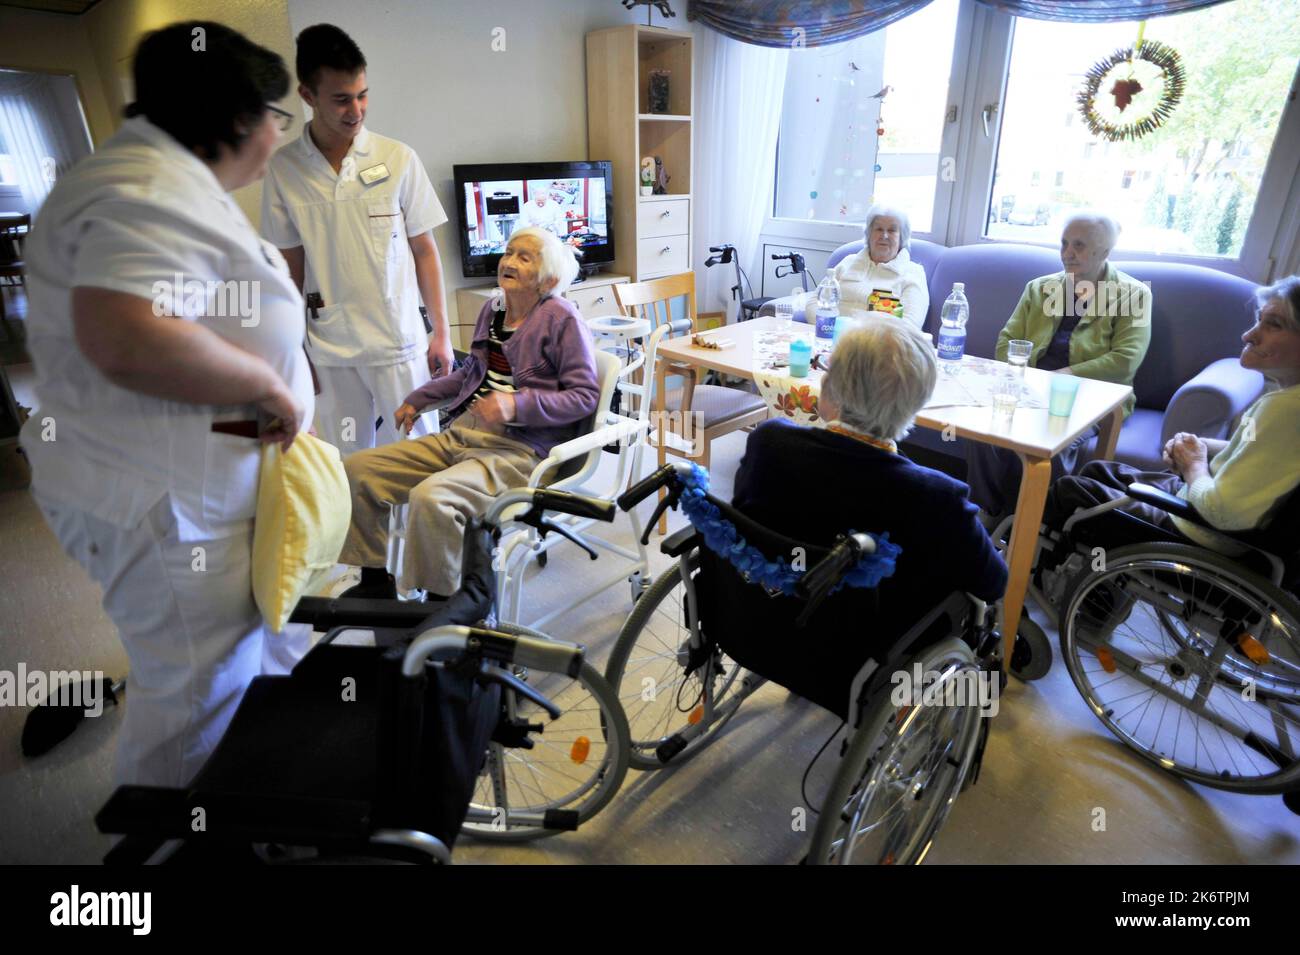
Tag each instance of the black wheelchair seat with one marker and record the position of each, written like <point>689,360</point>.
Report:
<point>341,747</point>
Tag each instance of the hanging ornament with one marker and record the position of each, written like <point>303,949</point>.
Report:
<point>876,168</point>
<point>880,130</point>
<point>1131,77</point>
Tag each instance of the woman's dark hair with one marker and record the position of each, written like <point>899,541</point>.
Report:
<point>325,46</point>
<point>201,81</point>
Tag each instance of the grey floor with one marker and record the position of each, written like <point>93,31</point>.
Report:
<point>1049,768</point>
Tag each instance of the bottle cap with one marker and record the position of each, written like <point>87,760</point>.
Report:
<point>959,286</point>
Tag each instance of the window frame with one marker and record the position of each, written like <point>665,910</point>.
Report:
<point>978,80</point>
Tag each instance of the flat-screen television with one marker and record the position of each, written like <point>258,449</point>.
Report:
<point>575,200</point>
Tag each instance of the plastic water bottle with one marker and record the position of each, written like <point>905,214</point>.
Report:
<point>952,329</point>
<point>828,307</point>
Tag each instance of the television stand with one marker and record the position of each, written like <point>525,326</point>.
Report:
<point>593,297</point>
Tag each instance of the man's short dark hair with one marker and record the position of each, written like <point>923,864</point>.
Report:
<point>325,46</point>
<point>201,81</point>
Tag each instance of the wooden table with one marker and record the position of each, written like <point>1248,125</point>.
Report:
<point>1035,436</point>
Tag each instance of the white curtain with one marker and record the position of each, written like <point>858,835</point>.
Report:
<point>33,135</point>
<point>738,95</point>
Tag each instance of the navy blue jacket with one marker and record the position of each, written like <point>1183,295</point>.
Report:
<point>811,485</point>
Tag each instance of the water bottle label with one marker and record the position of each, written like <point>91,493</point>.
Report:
<point>825,327</point>
<point>951,346</point>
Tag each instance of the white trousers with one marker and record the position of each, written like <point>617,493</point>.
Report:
<point>194,638</point>
<point>352,398</point>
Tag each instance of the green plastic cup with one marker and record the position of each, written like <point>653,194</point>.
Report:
<point>1064,390</point>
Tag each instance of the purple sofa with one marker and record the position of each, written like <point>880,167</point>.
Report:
<point>1190,380</point>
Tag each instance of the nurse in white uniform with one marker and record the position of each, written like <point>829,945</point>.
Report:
<point>167,338</point>
<point>354,213</point>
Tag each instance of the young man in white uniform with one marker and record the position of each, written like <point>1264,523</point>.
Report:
<point>166,336</point>
<point>354,213</point>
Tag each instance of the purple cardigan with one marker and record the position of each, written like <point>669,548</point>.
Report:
<point>554,369</point>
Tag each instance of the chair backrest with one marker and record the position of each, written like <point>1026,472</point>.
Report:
<point>652,300</point>
<point>581,468</point>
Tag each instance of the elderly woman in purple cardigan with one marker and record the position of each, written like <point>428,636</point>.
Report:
<point>528,385</point>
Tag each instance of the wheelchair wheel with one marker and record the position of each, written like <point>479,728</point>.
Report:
<point>1192,661</point>
<point>573,769</point>
<point>647,670</point>
<point>1031,655</point>
<point>904,767</point>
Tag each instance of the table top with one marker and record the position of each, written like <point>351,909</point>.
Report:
<point>1032,431</point>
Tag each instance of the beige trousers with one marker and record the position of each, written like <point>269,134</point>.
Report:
<point>447,479</point>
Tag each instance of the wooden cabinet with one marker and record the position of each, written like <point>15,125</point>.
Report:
<point>593,297</point>
<point>652,234</point>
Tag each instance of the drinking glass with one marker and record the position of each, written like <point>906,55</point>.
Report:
<point>1061,400</point>
<point>1018,352</point>
<point>785,317</point>
<point>1006,395</point>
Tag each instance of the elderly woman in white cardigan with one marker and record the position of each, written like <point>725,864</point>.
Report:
<point>882,278</point>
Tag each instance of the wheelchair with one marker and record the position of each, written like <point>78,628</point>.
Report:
<point>1190,657</point>
<point>706,636</point>
<point>407,724</point>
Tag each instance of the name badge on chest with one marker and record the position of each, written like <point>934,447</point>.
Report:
<point>374,174</point>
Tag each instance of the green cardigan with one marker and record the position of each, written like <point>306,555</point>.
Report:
<point>1109,346</point>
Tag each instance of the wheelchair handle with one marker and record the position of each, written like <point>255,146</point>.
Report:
<point>566,502</point>
<point>451,642</point>
<point>828,572</point>
<point>644,488</point>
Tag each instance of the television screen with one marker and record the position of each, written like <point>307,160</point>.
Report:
<point>571,199</point>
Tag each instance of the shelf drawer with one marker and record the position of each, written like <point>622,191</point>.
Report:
<point>593,301</point>
<point>662,255</point>
<point>671,217</point>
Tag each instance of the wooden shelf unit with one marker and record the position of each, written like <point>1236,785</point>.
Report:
<point>650,240</point>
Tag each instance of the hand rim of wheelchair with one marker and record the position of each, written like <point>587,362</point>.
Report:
<point>643,755</point>
<point>1179,559</point>
<point>484,822</point>
<point>873,753</point>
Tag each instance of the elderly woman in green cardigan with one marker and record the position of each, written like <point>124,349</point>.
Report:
<point>1090,320</point>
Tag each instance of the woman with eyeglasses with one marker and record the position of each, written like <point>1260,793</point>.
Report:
<point>167,342</point>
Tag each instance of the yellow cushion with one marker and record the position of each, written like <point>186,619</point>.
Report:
<point>303,511</point>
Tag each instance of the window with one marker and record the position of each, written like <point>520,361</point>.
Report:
<point>1188,187</point>
<point>831,163</point>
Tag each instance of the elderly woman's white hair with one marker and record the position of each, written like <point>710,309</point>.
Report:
<point>882,374</point>
<point>904,223</point>
<point>1106,227</point>
<point>1286,291</point>
<point>557,259</point>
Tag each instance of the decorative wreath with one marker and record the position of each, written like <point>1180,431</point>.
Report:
<point>1124,87</point>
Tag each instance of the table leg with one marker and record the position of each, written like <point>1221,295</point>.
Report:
<point>1108,434</point>
<point>1034,483</point>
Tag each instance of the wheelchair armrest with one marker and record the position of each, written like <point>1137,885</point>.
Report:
<point>680,541</point>
<point>1169,503</point>
<point>616,428</point>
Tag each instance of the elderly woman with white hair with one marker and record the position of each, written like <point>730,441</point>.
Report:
<point>1091,320</point>
<point>1237,484</point>
<point>528,384</point>
<point>811,484</point>
<point>882,278</point>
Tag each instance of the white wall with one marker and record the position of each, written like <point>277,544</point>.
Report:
<point>437,85</point>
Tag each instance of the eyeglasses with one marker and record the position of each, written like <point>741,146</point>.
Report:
<point>286,119</point>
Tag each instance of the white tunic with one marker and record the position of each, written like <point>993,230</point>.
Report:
<point>900,277</point>
<point>146,217</point>
<point>354,227</point>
